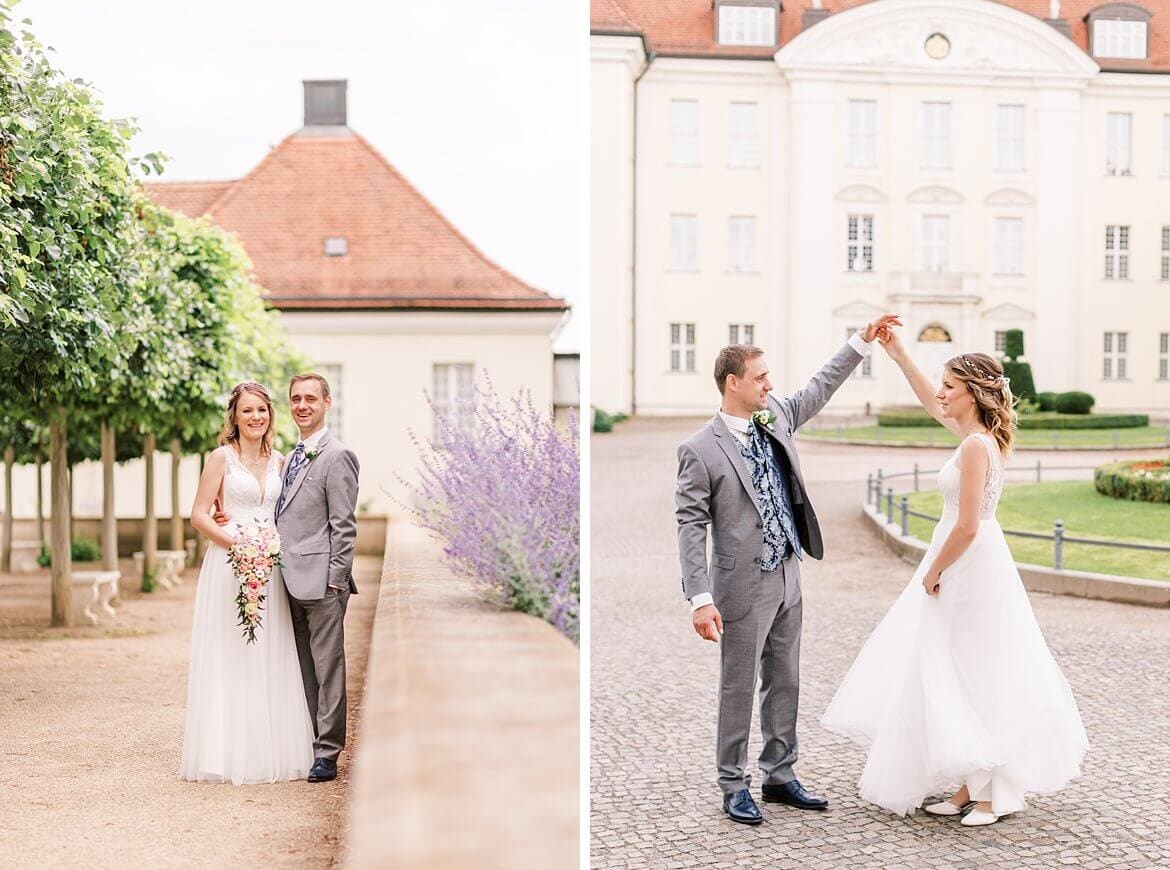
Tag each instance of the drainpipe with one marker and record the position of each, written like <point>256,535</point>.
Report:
<point>650,56</point>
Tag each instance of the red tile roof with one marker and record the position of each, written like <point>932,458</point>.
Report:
<point>687,27</point>
<point>325,182</point>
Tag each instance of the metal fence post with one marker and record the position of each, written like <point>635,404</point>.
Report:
<point>1037,470</point>
<point>930,438</point>
<point>1058,545</point>
<point>916,477</point>
<point>890,505</point>
<point>877,490</point>
<point>905,516</point>
<point>869,488</point>
<point>1055,437</point>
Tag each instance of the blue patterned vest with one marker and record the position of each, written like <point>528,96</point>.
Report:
<point>780,536</point>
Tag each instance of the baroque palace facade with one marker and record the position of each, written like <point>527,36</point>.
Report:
<point>780,174</point>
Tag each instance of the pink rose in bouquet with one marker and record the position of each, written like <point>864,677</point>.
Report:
<point>253,555</point>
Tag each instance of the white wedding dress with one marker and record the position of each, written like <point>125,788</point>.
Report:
<point>247,718</point>
<point>960,688</point>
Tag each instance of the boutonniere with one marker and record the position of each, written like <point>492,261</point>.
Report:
<point>312,454</point>
<point>765,418</point>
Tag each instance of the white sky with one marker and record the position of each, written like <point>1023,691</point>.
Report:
<point>480,104</point>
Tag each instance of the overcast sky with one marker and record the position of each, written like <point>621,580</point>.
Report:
<point>479,104</point>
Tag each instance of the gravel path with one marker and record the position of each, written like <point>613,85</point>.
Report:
<point>653,682</point>
<point>91,732</point>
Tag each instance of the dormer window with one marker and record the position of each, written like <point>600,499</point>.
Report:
<point>746,23</point>
<point>1120,31</point>
<point>336,246</point>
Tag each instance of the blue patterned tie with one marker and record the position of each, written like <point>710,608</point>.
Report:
<point>295,463</point>
<point>775,502</point>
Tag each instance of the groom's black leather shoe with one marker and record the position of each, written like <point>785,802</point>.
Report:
<point>793,794</point>
<point>742,808</point>
<point>323,770</point>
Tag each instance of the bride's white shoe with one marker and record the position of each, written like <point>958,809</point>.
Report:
<point>978,818</point>
<point>943,808</point>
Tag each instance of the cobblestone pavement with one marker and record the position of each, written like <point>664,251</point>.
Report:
<point>654,802</point>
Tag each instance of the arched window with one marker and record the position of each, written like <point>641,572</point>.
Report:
<point>934,332</point>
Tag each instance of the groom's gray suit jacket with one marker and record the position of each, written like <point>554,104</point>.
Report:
<point>714,490</point>
<point>317,525</point>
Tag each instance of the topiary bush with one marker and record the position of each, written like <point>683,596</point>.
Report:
<point>83,550</point>
<point>1046,401</point>
<point>1074,403</point>
<point>603,422</point>
<point>1135,480</point>
<point>1019,373</point>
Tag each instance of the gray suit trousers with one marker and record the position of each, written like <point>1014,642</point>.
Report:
<point>319,629</point>
<point>764,644</point>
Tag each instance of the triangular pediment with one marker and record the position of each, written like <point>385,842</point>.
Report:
<point>859,310</point>
<point>1009,196</point>
<point>933,194</point>
<point>981,37</point>
<point>1008,311</point>
<point>860,193</point>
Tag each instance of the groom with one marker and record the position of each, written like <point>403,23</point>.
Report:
<point>740,478</point>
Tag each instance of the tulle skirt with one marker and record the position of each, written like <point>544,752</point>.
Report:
<point>960,688</point>
<point>247,719</point>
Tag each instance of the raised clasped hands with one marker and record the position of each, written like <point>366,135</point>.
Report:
<point>883,326</point>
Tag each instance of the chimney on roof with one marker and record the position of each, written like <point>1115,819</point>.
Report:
<point>325,102</point>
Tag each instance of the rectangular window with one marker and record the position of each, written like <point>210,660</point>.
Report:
<point>1164,356</point>
<point>861,133</point>
<point>936,135</point>
<point>684,243</point>
<point>1121,39</point>
<point>1118,130</point>
<point>742,333</point>
<point>745,135</point>
<point>336,416</point>
<point>1166,253</point>
<point>1114,358</point>
<point>1009,137</point>
<point>1116,251</point>
<point>935,243</point>
<point>859,243</point>
<point>1166,144</point>
<point>747,25</point>
<point>741,244</point>
<point>682,347</point>
<point>454,396</point>
<point>1001,342</point>
<point>336,246</point>
<point>684,132</point>
<point>1008,255</point>
<point>865,370</point>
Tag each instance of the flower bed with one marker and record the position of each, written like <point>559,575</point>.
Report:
<point>1135,480</point>
<point>1038,420</point>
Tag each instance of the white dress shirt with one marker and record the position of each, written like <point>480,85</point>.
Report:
<point>740,426</point>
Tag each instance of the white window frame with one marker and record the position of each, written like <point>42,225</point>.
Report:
<point>1166,144</point>
<point>861,133</point>
<point>1114,357</point>
<point>747,25</point>
<point>336,246</point>
<point>865,370</point>
<point>1164,356</point>
<point>684,132</point>
<point>1118,143</point>
<point>1165,270</point>
<point>936,135</point>
<point>1116,252</point>
<point>741,244</point>
<point>453,395</point>
<point>1007,252</point>
<point>1121,39</point>
<point>859,243</point>
<point>335,375</point>
<point>1000,342</point>
<point>741,333</point>
<point>1010,142</point>
<point>682,348</point>
<point>684,243</point>
<point>743,121</point>
<point>934,248</point>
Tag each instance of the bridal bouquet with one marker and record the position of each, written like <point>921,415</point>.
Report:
<point>254,553</point>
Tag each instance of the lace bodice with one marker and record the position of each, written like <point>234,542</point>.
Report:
<point>244,499</point>
<point>948,480</point>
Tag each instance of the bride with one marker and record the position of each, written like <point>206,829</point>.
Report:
<point>956,686</point>
<point>247,718</point>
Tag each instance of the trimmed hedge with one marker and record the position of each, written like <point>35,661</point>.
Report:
<point>603,422</point>
<point>1020,374</point>
<point>906,417</point>
<point>1074,403</point>
<point>1135,480</point>
<point>82,550</point>
<point>918,417</point>
<point>1047,401</point>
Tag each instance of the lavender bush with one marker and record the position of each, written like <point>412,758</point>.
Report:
<point>502,490</point>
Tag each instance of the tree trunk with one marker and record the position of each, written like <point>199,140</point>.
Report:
<point>6,541</point>
<point>109,517</point>
<point>149,526</point>
<point>62,567</point>
<point>40,499</point>
<point>176,514</point>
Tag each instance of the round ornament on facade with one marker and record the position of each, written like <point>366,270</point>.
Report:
<point>937,46</point>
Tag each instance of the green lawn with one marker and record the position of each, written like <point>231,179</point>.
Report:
<point>1086,514</point>
<point>1140,436</point>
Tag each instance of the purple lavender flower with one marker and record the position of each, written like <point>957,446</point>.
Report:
<point>500,485</point>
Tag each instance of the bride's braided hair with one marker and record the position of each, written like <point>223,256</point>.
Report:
<point>992,393</point>
<point>231,431</point>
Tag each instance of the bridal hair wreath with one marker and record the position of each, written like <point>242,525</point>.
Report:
<point>991,390</point>
<point>230,433</point>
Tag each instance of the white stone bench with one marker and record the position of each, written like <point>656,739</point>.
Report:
<point>170,566</point>
<point>104,585</point>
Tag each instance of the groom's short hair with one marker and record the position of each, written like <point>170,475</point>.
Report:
<point>310,376</point>
<point>731,361</point>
